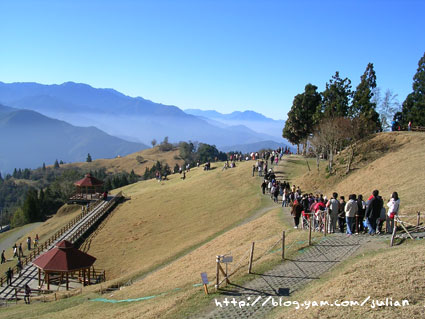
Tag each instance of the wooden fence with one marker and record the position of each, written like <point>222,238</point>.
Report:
<point>45,245</point>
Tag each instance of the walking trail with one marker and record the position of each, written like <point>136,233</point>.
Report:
<point>257,296</point>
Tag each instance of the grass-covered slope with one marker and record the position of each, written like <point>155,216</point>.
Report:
<point>389,162</point>
<point>163,220</point>
<point>136,161</point>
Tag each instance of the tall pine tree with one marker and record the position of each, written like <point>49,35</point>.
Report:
<point>414,105</point>
<point>336,97</point>
<point>363,105</point>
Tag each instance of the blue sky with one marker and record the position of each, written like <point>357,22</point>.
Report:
<point>212,54</point>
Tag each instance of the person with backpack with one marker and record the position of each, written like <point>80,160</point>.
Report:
<point>296,213</point>
<point>393,208</point>
<point>361,209</point>
<point>341,214</point>
<point>333,206</point>
<point>373,211</point>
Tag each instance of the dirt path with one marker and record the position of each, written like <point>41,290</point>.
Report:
<point>15,236</point>
<point>258,295</point>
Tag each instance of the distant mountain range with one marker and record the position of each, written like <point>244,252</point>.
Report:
<point>137,119</point>
<point>131,119</point>
<point>28,138</point>
<point>255,121</point>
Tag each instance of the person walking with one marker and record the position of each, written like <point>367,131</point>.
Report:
<point>27,294</point>
<point>361,210</point>
<point>29,243</point>
<point>15,251</point>
<point>341,214</point>
<point>333,206</point>
<point>351,209</point>
<point>296,213</point>
<point>393,208</point>
<point>19,266</point>
<point>3,257</point>
<point>21,251</point>
<point>9,275</point>
<point>373,211</point>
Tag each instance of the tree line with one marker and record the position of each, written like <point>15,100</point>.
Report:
<point>339,117</point>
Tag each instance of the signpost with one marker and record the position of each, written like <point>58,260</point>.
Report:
<point>205,281</point>
<point>225,260</point>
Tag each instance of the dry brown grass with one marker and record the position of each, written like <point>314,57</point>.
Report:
<point>395,273</point>
<point>388,162</point>
<point>162,220</point>
<point>129,162</point>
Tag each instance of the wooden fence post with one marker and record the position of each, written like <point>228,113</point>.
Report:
<point>309,231</point>
<point>251,256</point>
<point>283,245</point>
<point>394,231</point>
<point>326,224</point>
<point>217,274</point>
<point>419,218</point>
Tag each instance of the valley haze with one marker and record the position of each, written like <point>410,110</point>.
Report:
<point>131,122</point>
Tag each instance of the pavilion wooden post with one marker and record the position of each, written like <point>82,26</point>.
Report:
<point>46,274</point>
<point>84,277</point>
<point>39,277</point>
<point>283,245</point>
<point>88,270</point>
<point>67,281</point>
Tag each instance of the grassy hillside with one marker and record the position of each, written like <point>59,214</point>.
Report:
<point>130,162</point>
<point>170,232</point>
<point>389,162</point>
<point>162,220</point>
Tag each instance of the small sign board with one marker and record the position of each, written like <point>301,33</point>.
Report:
<point>227,259</point>
<point>204,278</point>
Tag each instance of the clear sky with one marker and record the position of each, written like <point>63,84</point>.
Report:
<point>225,55</point>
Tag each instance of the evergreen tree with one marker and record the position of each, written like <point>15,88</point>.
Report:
<point>146,175</point>
<point>89,159</point>
<point>56,165</point>
<point>414,105</point>
<point>1,178</point>
<point>107,186</point>
<point>336,97</point>
<point>293,130</point>
<point>61,162</point>
<point>31,208</point>
<point>363,104</point>
<point>44,167</point>
<point>133,176</point>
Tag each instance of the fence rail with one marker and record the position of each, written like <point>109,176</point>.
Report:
<point>75,236</point>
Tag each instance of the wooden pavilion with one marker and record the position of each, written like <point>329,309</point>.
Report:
<point>89,185</point>
<point>64,260</point>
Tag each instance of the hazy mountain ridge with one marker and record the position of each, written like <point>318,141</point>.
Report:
<point>29,138</point>
<point>255,121</point>
<point>121,115</point>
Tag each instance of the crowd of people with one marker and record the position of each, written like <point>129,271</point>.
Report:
<point>351,216</point>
